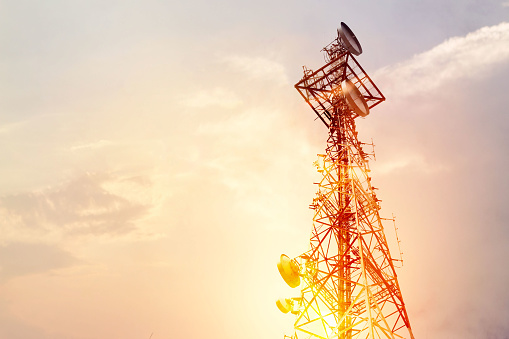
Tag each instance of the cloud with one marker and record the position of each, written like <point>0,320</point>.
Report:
<point>218,96</point>
<point>505,4</point>
<point>250,154</point>
<point>15,327</point>
<point>92,145</point>
<point>259,68</point>
<point>467,57</point>
<point>86,205</point>
<point>20,259</point>
<point>441,167</point>
<point>414,162</point>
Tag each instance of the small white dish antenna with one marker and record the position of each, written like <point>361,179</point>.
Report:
<point>349,40</point>
<point>354,98</point>
<point>289,270</point>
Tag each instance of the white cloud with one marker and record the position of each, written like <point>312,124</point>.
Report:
<point>456,58</point>
<point>92,145</point>
<point>411,162</point>
<point>218,96</point>
<point>505,4</point>
<point>96,205</point>
<point>259,68</point>
<point>29,258</point>
<point>243,124</point>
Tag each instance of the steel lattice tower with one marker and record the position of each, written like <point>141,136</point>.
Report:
<point>349,287</point>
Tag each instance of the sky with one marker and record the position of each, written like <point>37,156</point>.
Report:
<point>156,161</point>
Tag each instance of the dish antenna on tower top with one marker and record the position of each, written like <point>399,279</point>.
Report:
<point>349,40</point>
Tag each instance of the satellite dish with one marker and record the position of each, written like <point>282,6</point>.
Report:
<point>349,40</point>
<point>289,270</point>
<point>354,98</point>
<point>284,305</point>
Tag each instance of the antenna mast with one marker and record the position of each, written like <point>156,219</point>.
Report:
<point>349,287</point>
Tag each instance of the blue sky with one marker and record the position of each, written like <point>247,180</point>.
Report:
<point>157,160</point>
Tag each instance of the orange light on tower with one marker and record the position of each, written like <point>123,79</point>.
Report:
<point>349,288</point>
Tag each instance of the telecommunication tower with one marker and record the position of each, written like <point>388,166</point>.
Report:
<point>349,287</point>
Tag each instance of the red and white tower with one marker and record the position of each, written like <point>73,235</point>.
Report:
<point>349,287</point>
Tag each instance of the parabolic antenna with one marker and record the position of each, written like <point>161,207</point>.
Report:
<point>354,98</point>
<point>284,305</point>
<point>289,270</point>
<point>350,41</point>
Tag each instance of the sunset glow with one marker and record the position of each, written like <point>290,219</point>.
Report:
<point>157,161</point>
